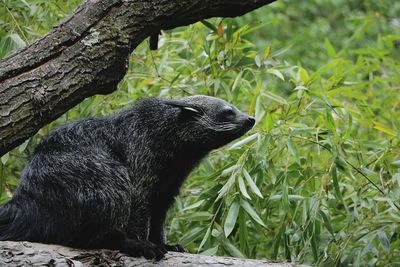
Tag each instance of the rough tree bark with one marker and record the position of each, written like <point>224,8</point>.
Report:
<point>15,254</point>
<point>86,55</point>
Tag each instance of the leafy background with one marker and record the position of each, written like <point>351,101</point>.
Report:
<point>317,180</point>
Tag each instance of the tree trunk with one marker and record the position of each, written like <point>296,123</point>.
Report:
<point>87,54</point>
<point>35,254</point>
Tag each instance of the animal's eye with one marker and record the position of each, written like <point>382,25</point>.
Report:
<point>228,112</point>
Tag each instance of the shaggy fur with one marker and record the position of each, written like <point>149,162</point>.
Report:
<point>108,182</point>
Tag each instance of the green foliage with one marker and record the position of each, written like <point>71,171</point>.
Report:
<point>318,179</point>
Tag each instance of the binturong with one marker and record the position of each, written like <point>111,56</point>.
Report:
<point>108,182</point>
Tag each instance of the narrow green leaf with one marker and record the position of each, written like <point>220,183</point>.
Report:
<point>384,129</point>
<point>199,216</point>
<point>349,128</point>
<point>231,249</point>
<point>373,144</point>
<point>237,80</point>
<point>277,73</point>
<point>278,197</point>
<point>293,150</point>
<point>231,218</point>
<point>275,97</point>
<point>5,158</point>
<point>383,239</point>
<point>243,233</point>
<point>242,188</point>
<point>193,206</point>
<point>303,75</point>
<point>336,184</point>
<point>251,183</point>
<point>331,121</point>
<point>329,48</point>
<point>23,146</point>
<point>256,93</point>
<point>267,50</point>
<point>268,122</point>
<point>224,190</point>
<point>211,251</point>
<point>192,235</point>
<point>278,239</point>
<point>340,163</point>
<point>17,40</point>
<point>262,147</point>
<point>257,60</point>
<point>253,214</point>
<point>205,238</point>
<point>285,196</point>
<point>314,247</point>
<point>209,25</point>
<point>327,223</point>
<point>243,141</point>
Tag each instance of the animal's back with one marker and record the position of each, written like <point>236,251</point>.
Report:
<point>73,190</point>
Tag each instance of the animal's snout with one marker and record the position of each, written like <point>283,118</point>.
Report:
<point>250,121</point>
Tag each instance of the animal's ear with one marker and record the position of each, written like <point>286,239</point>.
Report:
<point>183,106</point>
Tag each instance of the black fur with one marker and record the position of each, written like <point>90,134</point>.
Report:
<point>108,182</point>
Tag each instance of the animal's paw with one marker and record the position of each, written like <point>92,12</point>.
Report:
<point>176,248</point>
<point>138,248</point>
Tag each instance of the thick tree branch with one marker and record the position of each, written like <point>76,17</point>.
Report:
<point>87,54</point>
<point>35,254</point>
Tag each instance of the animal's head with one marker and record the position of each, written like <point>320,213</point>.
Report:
<point>209,122</point>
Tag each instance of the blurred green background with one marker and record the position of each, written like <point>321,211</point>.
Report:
<point>317,181</point>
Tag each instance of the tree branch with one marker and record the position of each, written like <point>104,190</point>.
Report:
<point>87,54</point>
<point>36,254</point>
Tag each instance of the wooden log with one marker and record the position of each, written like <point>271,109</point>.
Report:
<point>13,254</point>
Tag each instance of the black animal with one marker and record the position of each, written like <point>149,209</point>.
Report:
<point>108,182</point>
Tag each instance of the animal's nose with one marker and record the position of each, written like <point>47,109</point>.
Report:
<point>251,121</point>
